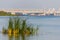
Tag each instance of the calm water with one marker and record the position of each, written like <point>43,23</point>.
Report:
<point>49,28</point>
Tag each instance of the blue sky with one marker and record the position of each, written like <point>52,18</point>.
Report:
<point>29,4</point>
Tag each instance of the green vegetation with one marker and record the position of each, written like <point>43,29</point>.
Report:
<point>18,26</point>
<point>2,13</point>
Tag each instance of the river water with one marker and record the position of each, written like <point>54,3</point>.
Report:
<point>49,27</point>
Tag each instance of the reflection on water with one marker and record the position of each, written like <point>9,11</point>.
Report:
<point>10,37</point>
<point>14,37</point>
<point>17,37</point>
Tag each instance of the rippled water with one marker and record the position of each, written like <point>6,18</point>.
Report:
<point>49,27</point>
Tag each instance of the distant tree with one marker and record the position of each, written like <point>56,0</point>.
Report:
<point>3,13</point>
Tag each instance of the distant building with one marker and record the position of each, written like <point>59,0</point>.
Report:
<point>18,13</point>
<point>30,14</point>
<point>57,14</point>
<point>51,14</point>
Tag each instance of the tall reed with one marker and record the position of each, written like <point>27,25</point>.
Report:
<point>16,25</point>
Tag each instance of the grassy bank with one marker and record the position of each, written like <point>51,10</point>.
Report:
<point>3,13</point>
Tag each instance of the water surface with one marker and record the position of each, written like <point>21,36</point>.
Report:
<point>49,27</point>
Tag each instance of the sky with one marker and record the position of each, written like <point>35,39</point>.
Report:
<point>29,4</point>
